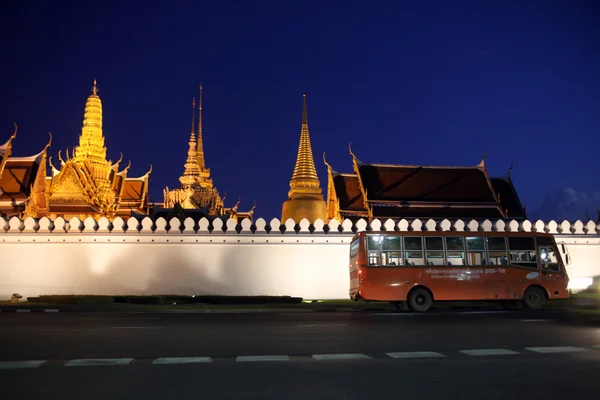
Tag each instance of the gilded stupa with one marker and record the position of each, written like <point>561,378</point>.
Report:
<point>305,198</point>
<point>87,184</point>
<point>197,191</point>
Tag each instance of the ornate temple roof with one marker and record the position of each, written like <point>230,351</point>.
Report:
<point>410,191</point>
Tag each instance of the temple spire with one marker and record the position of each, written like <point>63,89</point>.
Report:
<point>305,197</point>
<point>200,147</point>
<point>191,173</point>
<point>304,170</point>
<point>193,133</point>
<point>91,141</point>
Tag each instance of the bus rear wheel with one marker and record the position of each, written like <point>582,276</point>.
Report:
<point>419,300</point>
<point>534,298</point>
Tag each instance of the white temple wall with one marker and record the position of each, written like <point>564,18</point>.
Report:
<point>99,258</point>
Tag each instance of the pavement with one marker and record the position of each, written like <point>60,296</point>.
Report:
<point>491,354</point>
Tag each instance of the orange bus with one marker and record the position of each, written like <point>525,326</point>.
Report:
<point>414,269</point>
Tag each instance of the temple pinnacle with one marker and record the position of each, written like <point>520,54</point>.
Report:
<point>305,164</point>
<point>200,147</point>
<point>193,133</point>
<point>305,197</point>
<point>94,89</point>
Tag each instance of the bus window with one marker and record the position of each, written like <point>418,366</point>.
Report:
<point>373,247</point>
<point>434,250</point>
<point>548,254</point>
<point>476,251</point>
<point>413,251</point>
<point>522,251</point>
<point>455,250</point>
<point>354,247</point>
<point>391,250</point>
<point>497,250</point>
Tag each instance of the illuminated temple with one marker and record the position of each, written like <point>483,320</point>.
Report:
<point>425,192</point>
<point>305,197</point>
<point>197,196</point>
<point>85,185</point>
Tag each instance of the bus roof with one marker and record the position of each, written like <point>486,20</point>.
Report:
<point>451,233</point>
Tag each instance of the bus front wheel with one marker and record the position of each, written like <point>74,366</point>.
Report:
<point>534,298</point>
<point>419,300</point>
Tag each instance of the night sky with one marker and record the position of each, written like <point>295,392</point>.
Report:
<point>408,82</point>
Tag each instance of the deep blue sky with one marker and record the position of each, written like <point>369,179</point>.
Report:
<point>408,82</point>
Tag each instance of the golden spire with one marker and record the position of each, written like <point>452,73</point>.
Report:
<point>192,170</point>
<point>200,148</point>
<point>305,173</point>
<point>91,141</point>
<point>305,198</point>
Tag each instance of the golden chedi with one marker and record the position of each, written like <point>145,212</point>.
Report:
<point>305,198</point>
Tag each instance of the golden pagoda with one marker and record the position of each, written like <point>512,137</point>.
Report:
<point>87,184</point>
<point>305,198</point>
<point>197,191</point>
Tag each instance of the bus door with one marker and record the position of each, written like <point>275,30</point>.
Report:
<point>552,274</point>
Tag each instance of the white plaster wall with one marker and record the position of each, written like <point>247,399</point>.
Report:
<point>314,268</point>
<point>89,257</point>
<point>584,254</point>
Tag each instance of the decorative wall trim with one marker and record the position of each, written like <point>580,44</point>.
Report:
<point>275,227</point>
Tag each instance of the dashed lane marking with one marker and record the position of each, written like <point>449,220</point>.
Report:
<point>182,360</point>
<point>537,320</point>
<point>350,356</point>
<point>415,354</point>
<point>557,349</point>
<point>262,358</point>
<point>98,361</point>
<point>319,325</point>
<point>137,327</point>
<point>488,352</point>
<point>20,364</point>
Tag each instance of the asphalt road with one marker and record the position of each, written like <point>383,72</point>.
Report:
<point>453,355</point>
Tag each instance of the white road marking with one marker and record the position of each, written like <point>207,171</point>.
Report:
<point>51,310</point>
<point>319,325</point>
<point>537,320</point>
<point>488,352</point>
<point>20,364</point>
<point>137,327</point>
<point>596,346</point>
<point>352,356</point>
<point>262,358</point>
<point>98,361</point>
<point>557,349</point>
<point>23,310</point>
<point>415,354</point>
<point>181,360</point>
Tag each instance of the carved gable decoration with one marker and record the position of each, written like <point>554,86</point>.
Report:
<point>67,185</point>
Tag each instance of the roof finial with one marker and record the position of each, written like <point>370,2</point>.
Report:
<point>510,168</point>
<point>49,141</point>
<point>485,154</point>
<point>94,89</point>
<point>304,113</point>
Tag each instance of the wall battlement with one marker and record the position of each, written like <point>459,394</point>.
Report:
<point>245,227</point>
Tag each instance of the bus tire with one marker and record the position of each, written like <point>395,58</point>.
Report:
<point>534,298</point>
<point>419,300</point>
